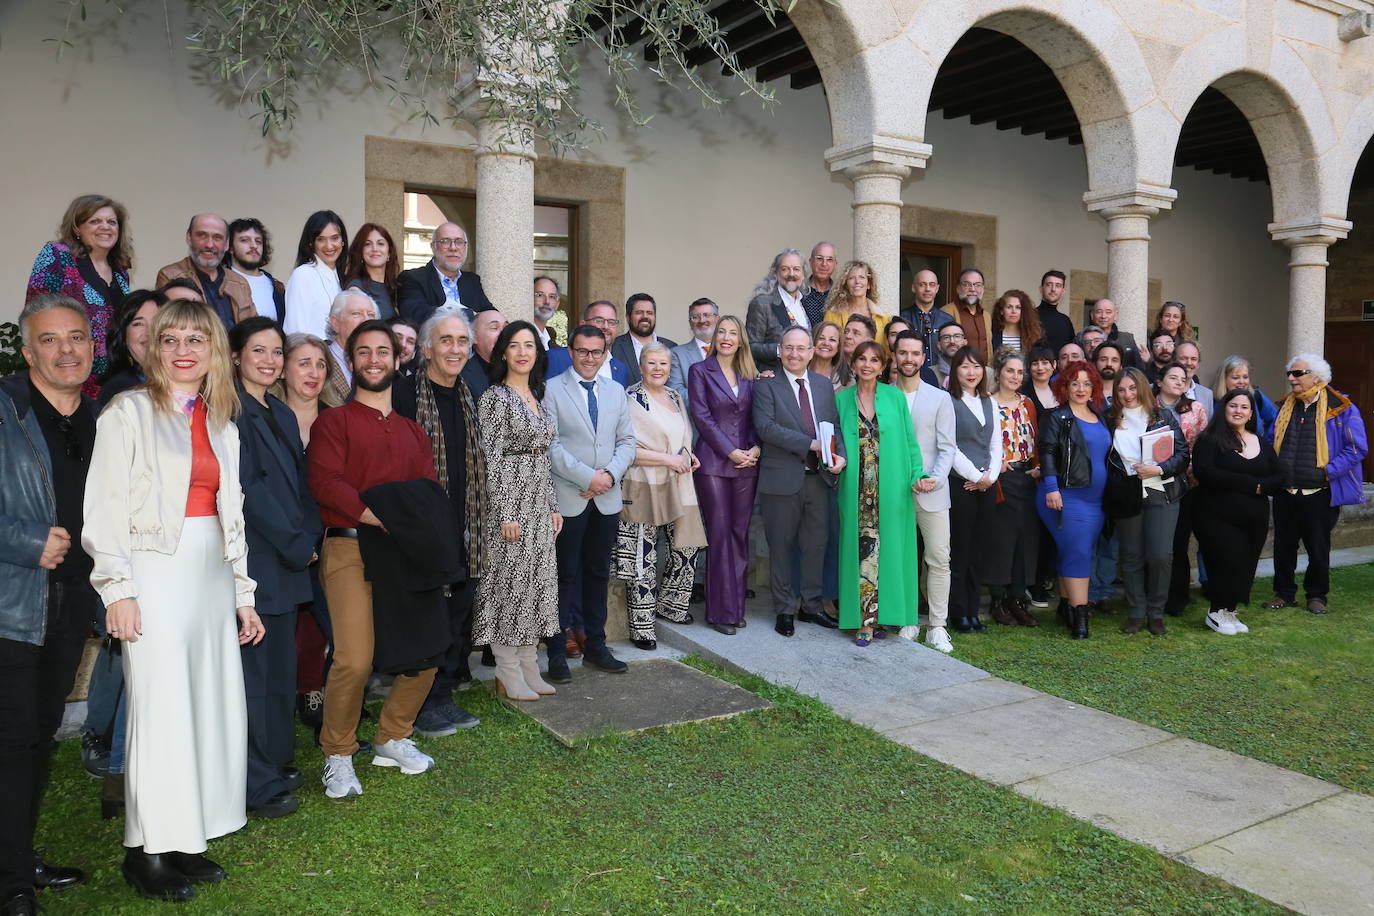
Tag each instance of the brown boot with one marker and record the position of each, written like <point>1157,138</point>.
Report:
<point>1133,625</point>
<point>1001,611</point>
<point>572,647</point>
<point>112,796</point>
<point>1104,607</point>
<point>1021,612</point>
<point>1157,627</point>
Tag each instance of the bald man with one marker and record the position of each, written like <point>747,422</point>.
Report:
<point>442,282</point>
<point>228,293</point>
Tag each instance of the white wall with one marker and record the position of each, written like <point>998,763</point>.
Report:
<point>711,197</point>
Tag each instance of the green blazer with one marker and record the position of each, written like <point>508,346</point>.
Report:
<point>899,467</point>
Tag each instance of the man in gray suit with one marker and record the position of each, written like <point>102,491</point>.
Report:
<point>1188,354</point>
<point>776,306</point>
<point>593,446</point>
<point>701,315</point>
<point>793,483</point>
<point>641,317</point>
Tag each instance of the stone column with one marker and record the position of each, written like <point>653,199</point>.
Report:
<point>1128,216</point>
<point>1307,243</point>
<point>505,215</point>
<point>877,167</point>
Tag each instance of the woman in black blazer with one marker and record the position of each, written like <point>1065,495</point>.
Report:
<point>283,530</point>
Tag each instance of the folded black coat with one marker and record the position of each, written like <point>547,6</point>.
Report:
<point>409,565</point>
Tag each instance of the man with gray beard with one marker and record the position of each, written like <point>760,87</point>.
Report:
<point>776,306</point>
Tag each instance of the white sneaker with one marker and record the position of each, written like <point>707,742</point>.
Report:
<point>908,633</point>
<point>1218,621</point>
<point>339,779</point>
<point>1235,622</point>
<point>937,638</point>
<point>402,752</point>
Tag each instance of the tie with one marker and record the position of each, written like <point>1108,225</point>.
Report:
<point>808,422</point>
<point>591,400</point>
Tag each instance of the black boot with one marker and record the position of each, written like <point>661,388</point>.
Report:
<point>1080,622</point>
<point>1063,614</point>
<point>197,868</point>
<point>961,625</point>
<point>154,877</point>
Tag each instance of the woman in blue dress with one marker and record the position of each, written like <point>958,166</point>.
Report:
<point>1073,462</point>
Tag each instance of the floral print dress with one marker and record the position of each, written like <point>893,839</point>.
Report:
<point>868,520</point>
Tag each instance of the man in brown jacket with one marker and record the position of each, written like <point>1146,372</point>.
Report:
<point>225,291</point>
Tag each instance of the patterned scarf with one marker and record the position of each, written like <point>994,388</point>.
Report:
<point>1286,414</point>
<point>475,495</point>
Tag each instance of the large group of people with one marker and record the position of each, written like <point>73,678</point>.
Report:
<point>263,494</point>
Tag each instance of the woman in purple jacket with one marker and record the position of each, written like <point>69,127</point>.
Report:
<point>721,397</point>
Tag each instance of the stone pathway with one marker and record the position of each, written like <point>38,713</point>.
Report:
<point>1298,841</point>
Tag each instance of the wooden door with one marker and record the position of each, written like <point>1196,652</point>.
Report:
<point>1350,351</point>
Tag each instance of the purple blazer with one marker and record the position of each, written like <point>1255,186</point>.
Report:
<point>724,422</point>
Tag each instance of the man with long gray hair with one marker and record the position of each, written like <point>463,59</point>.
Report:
<point>1320,439</point>
<point>775,306</point>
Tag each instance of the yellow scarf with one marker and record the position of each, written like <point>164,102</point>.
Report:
<point>1286,414</point>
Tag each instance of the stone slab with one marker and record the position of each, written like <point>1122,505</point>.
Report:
<point>1315,860</point>
<point>1345,556</point>
<point>915,707</point>
<point>651,694</point>
<point>1014,742</point>
<point>820,662</point>
<point>1176,795</point>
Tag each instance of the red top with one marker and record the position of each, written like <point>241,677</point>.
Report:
<point>200,501</point>
<point>353,448</point>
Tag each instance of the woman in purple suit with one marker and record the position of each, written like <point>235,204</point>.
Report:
<point>721,398</point>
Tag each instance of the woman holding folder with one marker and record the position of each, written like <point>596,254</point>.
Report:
<point>1146,480</point>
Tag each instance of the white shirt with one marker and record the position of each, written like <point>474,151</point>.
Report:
<point>543,335</point>
<point>264,292</point>
<point>796,392</point>
<point>639,345</point>
<point>932,418</point>
<point>794,308</point>
<point>310,291</point>
<point>450,296</point>
<point>586,395</point>
<point>605,370</point>
<point>961,465</point>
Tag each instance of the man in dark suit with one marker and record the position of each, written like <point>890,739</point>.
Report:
<point>794,484</point>
<point>641,317</point>
<point>486,327</point>
<point>775,307</point>
<point>442,281</point>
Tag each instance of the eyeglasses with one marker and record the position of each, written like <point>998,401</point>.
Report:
<point>794,348</point>
<point>71,446</point>
<point>584,353</point>
<point>451,243</point>
<point>949,337</point>
<point>195,343</point>
<point>604,322</point>
<point>1298,373</point>
<point>965,284</point>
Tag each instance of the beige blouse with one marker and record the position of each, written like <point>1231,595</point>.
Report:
<point>659,495</point>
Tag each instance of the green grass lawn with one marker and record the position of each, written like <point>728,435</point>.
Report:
<point>1296,691</point>
<point>788,811</point>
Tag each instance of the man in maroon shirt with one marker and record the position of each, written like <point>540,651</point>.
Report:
<point>352,448</point>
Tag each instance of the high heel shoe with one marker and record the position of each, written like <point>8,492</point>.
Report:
<point>528,657</point>
<point>154,876</point>
<point>509,681</point>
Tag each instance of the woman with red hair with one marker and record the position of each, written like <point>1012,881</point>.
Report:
<point>1074,442</point>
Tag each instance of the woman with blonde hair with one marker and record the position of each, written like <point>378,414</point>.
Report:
<point>1233,373</point>
<point>826,359</point>
<point>89,262</point>
<point>165,527</point>
<point>720,395</point>
<point>856,293</point>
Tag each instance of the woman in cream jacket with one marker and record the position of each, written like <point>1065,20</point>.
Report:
<point>164,526</point>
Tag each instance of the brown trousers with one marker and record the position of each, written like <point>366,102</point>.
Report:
<point>349,597</point>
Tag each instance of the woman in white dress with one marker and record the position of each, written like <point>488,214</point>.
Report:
<point>164,526</point>
<point>319,273</point>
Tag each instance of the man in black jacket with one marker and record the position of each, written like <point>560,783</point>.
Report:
<point>442,281</point>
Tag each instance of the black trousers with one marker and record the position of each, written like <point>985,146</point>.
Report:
<point>1181,575</point>
<point>269,686</point>
<point>972,517</point>
<point>584,574</point>
<point>455,661</point>
<point>1309,519</point>
<point>34,683</point>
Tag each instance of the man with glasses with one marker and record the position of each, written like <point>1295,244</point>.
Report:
<point>702,316</point>
<point>442,281</point>
<point>47,431</point>
<point>602,315</point>
<point>820,269</point>
<point>546,301</point>
<point>948,342</point>
<point>1320,440</point>
<point>967,309</point>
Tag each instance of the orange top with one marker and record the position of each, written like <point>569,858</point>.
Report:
<point>200,501</point>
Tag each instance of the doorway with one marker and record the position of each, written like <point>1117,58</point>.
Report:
<point>1348,345</point>
<point>945,261</point>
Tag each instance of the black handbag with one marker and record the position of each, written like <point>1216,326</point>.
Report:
<point>1123,496</point>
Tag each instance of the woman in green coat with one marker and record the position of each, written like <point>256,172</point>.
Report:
<point>878,569</point>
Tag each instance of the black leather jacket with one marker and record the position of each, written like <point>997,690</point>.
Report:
<point>1172,470</point>
<point>1063,453</point>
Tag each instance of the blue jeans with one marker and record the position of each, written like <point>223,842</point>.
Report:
<point>105,707</point>
<point>1100,587</point>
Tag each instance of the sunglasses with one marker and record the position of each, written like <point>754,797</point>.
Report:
<point>73,448</point>
<point>1298,373</point>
